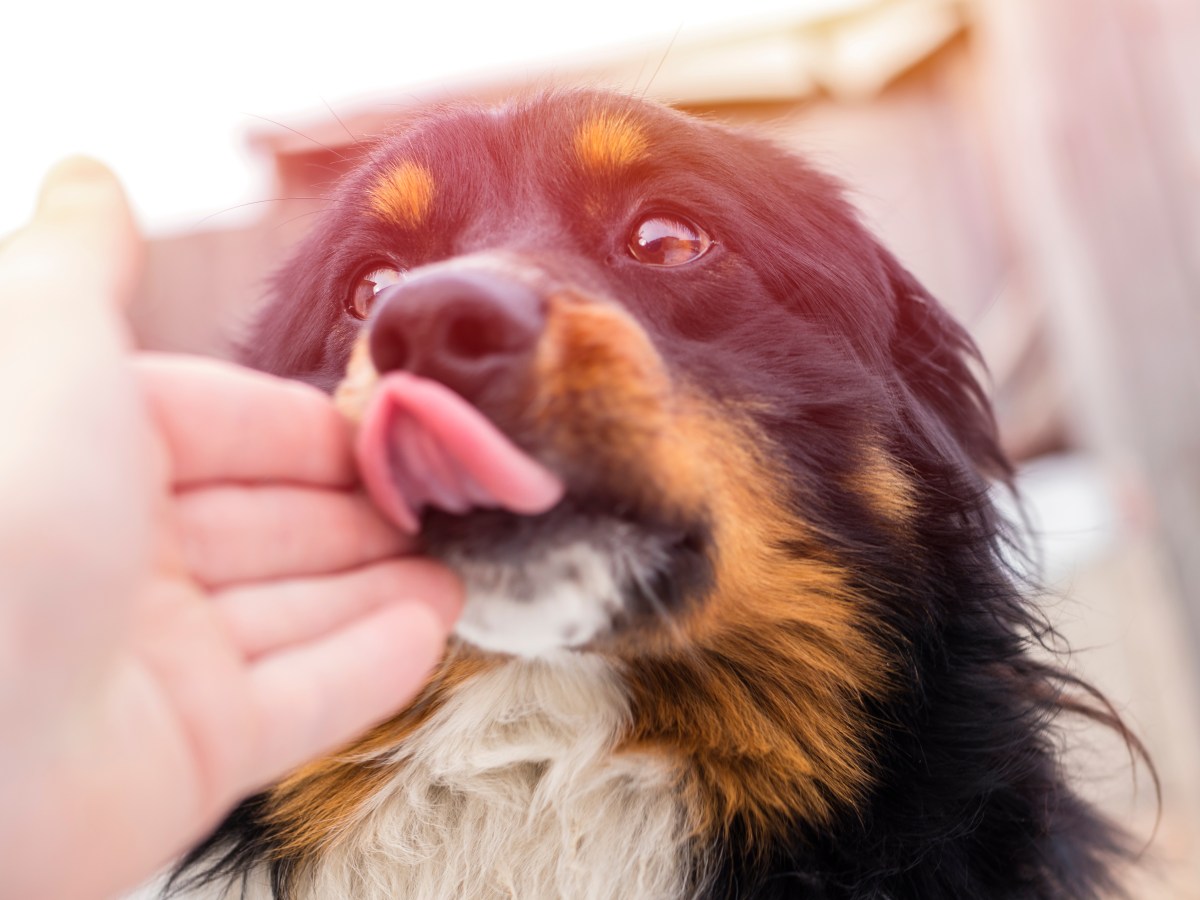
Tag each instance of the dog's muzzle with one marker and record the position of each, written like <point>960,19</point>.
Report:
<point>444,345</point>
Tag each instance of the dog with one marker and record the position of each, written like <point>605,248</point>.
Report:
<point>718,475</point>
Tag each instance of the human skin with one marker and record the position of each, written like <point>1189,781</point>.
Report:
<point>195,596</point>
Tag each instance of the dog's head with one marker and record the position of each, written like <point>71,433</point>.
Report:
<point>626,370</point>
<point>651,388</point>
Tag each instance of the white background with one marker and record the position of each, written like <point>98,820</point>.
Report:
<point>164,91</point>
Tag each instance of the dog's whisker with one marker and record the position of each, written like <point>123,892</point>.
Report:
<point>662,60</point>
<point>312,140</point>
<point>341,122</point>
<point>249,203</point>
<point>296,218</point>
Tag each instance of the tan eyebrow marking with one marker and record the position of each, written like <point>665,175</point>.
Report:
<point>403,195</point>
<point>609,141</point>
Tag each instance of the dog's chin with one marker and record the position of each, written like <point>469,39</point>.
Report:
<point>565,598</point>
<point>563,580</point>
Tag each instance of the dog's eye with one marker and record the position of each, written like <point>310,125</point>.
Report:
<point>667,241</point>
<point>363,296</point>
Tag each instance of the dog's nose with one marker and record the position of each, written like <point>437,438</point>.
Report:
<point>462,329</point>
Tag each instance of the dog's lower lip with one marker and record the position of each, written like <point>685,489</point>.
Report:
<point>422,445</point>
<point>502,536</point>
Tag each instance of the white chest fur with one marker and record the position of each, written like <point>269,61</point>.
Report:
<point>510,790</point>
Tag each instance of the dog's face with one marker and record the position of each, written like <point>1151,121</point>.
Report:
<point>678,370</point>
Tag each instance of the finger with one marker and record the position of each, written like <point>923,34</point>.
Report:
<point>81,245</point>
<point>267,617</point>
<point>223,422</point>
<point>234,534</point>
<point>68,403</point>
<point>317,696</point>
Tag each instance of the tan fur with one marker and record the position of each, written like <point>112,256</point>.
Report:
<point>609,141</point>
<point>889,491</point>
<point>404,195</point>
<point>604,398</point>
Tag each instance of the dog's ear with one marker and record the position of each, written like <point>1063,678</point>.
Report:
<point>940,367</point>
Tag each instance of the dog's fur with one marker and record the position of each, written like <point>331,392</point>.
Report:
<point>768,645</point>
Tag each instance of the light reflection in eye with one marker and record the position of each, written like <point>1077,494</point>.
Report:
<point>362,298</point>
<point>664,240</point>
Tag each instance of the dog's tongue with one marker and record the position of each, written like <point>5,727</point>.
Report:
<point>420,444</point>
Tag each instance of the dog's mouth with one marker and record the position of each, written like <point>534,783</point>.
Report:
<point>568,488</point>
<point>423,446</point>
<point>547,565</point>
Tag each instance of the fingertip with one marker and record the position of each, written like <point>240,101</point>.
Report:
<point>433,585</point>
<point>78,183</point>
<point>426,632</point>
<point>407,642</point>
<point>82,241</point>
<point>76,169</point>
<point>318,696</point>
<point>227,422</point>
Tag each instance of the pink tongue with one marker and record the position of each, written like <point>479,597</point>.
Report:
<point>421,445</point>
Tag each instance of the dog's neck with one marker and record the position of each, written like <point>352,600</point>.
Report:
<point>512,789</point>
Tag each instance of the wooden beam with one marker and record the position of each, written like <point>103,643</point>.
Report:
<point>1096,133</point>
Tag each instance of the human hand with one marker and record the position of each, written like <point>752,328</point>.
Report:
<point>193,596</point>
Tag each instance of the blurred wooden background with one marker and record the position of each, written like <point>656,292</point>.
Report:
<point>1037,165</point>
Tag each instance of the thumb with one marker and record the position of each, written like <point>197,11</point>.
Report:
<point>82,243</point>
